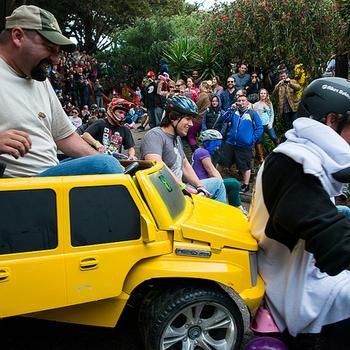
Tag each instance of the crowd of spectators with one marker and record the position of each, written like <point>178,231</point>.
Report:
<point>85,93</point>
<point>264,94</point>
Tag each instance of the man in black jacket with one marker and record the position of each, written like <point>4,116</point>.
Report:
<point>152,101</point>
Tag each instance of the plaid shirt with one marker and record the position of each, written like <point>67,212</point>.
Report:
<point>290,92</point>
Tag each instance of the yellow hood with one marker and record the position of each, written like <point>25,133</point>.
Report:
<point>219,224</point>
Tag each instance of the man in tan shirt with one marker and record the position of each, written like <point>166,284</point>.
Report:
<point>287,92</point>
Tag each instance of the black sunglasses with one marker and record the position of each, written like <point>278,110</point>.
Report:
<point>230,82</point>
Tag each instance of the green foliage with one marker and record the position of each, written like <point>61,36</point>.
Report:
<point>144,43</point>
<point>180,55</point>
<point>343,7</point>
<point>141,45</point>
<point>262,32</point>
<point>93,22</point>
<point>207,62</point>
<point>186,52</point>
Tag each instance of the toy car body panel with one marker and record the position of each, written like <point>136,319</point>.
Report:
<point>78,248</point>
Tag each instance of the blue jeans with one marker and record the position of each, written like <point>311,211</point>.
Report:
<point>99,101</point>
<point>216,187</point>
<point>89,165</point>
<point>155,116</point>
<point>270,133</point>
<point>344,209</point>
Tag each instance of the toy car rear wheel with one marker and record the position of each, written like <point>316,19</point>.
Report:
<point>192,318</point>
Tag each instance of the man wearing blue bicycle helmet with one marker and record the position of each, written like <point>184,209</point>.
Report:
<point>163,144</point>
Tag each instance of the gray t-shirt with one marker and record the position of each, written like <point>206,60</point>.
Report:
<point>156,141</point>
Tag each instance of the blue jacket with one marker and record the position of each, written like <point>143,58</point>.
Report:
<point>245,129</point>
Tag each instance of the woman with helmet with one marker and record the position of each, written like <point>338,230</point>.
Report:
<point>108,135</point>
<point>202,164</point>
<point>163,144</point>
<point>102,113</point>
<point>305,242</point>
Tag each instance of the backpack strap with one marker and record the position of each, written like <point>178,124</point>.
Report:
<point>251,114</point>
<point>216,120</point>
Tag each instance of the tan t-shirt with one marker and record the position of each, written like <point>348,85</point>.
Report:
<point>33,107</point>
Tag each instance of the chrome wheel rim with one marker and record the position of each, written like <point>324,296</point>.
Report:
<point>200,326</point>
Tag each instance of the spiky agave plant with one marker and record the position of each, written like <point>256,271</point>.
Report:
<point>180,55</point>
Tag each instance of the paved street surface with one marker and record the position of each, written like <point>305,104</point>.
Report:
<point>28,334</point>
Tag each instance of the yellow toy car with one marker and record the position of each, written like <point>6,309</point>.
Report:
<point>79,248</point>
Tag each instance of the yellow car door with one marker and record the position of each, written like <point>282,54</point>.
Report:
<point>31,266</point>
<point>106,221</point>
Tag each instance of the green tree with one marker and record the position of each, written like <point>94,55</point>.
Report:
<point>342,46</point>
<point>93,22</point>
<point>140,45</point>
<point>144,43</point>
<point>180,54</point>
<point>186,51</point>
<point>265,32</point>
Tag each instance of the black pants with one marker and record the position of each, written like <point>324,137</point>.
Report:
<point>335,336</point>
<point>288,119</point>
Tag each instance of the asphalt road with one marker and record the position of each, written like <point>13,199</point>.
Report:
<point>28,334</point>
<point>19,333</point>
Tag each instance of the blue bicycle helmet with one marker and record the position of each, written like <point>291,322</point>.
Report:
<point>182,105</point>
<point>209,135</point>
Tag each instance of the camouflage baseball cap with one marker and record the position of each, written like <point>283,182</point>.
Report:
<point>34,18</point>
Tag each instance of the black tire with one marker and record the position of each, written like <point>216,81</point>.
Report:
<point>191,318</point>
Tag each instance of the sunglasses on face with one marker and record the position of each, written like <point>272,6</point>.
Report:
<point>230,82</point>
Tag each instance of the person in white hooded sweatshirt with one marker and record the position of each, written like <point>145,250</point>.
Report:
<point>304,255</point>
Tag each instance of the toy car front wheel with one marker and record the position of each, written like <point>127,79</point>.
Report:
<point>192,318</point>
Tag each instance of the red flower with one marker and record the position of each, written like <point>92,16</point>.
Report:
<point>238,15</point>
<point>225,19</point>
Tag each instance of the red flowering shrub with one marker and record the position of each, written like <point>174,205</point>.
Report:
<point>262,32</point>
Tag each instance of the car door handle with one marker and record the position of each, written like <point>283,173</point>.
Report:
<point>89,264</point>
<point>4,275</point>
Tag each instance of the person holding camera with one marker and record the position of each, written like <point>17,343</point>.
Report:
<point>287,92</point>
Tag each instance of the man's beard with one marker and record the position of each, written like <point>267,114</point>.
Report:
<point>40,71</point>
